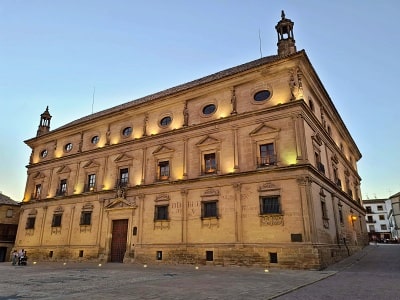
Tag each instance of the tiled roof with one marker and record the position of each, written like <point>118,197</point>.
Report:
<point>179,88</point>
<point>7,200</point>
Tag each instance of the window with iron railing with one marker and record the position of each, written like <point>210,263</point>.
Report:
<point>163,170</point>
<point>270,205</point>
<point>62,190</point>
<point>210,163</point>
<point>267,155</point>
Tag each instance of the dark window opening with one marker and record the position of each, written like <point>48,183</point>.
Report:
<point>51,254</point>
<point>273,257</point>
<point>86,218</point>
<point>209,209</point>
<point>161,212</point>
<point>209,255</point>
<point>209,109</point>
<point>56,222</point>
<point>80,253</point>
<point>134,231</point>
<point>270,205</point>
<point>262,95</point>
<point>30,223</point>
<point>159,255</point>
<point>165,121</point>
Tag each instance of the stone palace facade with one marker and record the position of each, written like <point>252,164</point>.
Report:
<point>252,165</point>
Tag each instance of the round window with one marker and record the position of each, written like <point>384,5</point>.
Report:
<point>209,109</point>
<point>95,139</point>
<point>44,153</point>
<point>262,95</point>
<point>127,131</point>
<point>68,147</point>
<point>165,121</point>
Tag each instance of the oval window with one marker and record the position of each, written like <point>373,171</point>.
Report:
<point>209,109</point>
<point>127,131</point>
<point>95,139</point>
<point>165,121</point>
<point>68,147</point>
<point>262,95</point>
<point>44,153</point>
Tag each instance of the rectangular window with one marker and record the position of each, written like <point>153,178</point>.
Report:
<point>369,210</point>
<point>267,155</point>
<point>38,190</point>
<point>161,212</point>
<point>159,255</point>
<point>63,188</point>
<point>209,255</point>
<point>380,207</point>
<point>209,209</point>
<point>371,228</point>
<point>270,205</point>
<point>30,223</point>
<point>381,217</point>
<point>91,183</point>
<point>86,218</point>
<point>370,219</point>
<point>123,177</point>
<point>56,220</point>
<point>324,210</point>
<point>383,227</point>
<point>9,213</point>
<point>210,163</point>
<point>340,214</point>
<point>273,257</point>
<point>163,170</point>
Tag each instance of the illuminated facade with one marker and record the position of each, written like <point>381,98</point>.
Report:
<point>251,166</point>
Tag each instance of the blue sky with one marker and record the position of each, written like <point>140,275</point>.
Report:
<point>62,54</point>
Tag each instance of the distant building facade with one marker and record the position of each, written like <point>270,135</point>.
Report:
<point>377,218</point>
<point>252,165</point>
<point>394,216</point>
<point>9,217</point>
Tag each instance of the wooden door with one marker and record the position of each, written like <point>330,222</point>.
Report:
<point>118,240</point>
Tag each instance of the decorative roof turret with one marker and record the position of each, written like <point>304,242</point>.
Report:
<point>286,43</point>
<point>44,125</point>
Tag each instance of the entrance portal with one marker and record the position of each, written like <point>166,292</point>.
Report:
<point>118,240</point>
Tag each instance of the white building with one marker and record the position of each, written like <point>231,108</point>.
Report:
<point>394,216</point>
<point>377,218</point>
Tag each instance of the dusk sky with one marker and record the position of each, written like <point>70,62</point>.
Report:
<point>65,54</point>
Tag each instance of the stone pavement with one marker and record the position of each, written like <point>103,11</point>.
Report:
<point>132,281</point>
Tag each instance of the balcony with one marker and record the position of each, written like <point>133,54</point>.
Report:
<point>89,188</point>
<point>370,221</point>
<point>266,161</point>
<point>61,193</point>
<point>121,183</point>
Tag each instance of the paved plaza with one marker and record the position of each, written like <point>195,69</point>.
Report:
<point>57,280</point>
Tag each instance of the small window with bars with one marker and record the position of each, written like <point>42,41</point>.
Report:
<point>270,205</point>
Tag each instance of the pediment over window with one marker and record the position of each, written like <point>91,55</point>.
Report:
<point>87,207</point>
<point>208,140</point>
<point>317,139</point>
<point>210,192</point>
<point>39,175</point>
<point>335,158</point>
<point>268,186</point>
<point>123,158</point>
<point>59,210</point>
<point>91,165</point>
<point>32,212</point>
<point>162,197</point>
<point>162,150</point>
<point>120,203</point>
<point>264,129</point>
<point>64,169</point>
